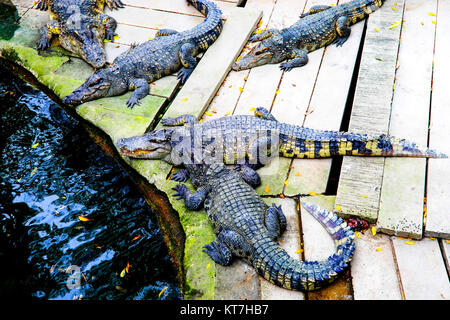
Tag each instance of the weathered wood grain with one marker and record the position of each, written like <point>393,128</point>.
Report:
<point>438,189</point>
<point>403,188</point>
<point>358,190</point>
<point>422,270</point>
<point>374,275</point>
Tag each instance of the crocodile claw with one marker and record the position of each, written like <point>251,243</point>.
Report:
<point>43,43</point>
<point>285,66</point>
<point>115,4</point>
<point>184,74</point>
<point>181,190</point>
<point>180,176</point>
<point>132,102</point>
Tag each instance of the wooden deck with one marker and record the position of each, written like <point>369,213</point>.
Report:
<point>389,77</point>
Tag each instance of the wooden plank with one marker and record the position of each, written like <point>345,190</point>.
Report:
<point>154,19</point>
<point>318,245</point>
<point>422,270</point>
<point>207,77</point>
<point>403,188</point>
<point>289,241</point>
<point>359,184</point>
<point>178,6</point>
<point>325,110</point>
<point>445,247</point>
<point>438,188</point>
<point>374,275</point>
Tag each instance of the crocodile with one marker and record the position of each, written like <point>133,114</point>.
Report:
<point>321,26</point>
<point>81,27</point>
<point>246,227</point>
<point>253,140</point>
<point>170,51</point>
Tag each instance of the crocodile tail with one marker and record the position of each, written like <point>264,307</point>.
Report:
<point>209,30</point>
<point>358,10</point>
<point>324,144</point>
<point>383,145</point>
<point>276,266</point>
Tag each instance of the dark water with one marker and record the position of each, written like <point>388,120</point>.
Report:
<point>52,177</point>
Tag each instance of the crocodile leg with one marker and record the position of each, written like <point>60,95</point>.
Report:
<point>187,60</point>
<point>219,252</point>
<point>42,5</point>
<point>275,221</point>
<point>315,9</point>
<point>47,32</point>
<point>192,201</point>
<point>260,150</point>
<point>180,176</point>
<point>110,25</point>
<point>343,30</point>
<point>165,32</point>
<point>115,4</point>
<point>263,35</point>
<point>141,90</point>
<point>179,121</point>
<point>249,175</point>
<point>299,59</point>
<point>263,113</point>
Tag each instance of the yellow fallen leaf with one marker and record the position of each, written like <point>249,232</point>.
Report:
<point>227,113</point>
<point>448,241</point>
<point>374,232</point>
<point>431,238</point>
<point>432,14</point>
<point>208,113</point>
<point>298,174</point>
<point>313,194</point>
<point>241,89</point>
<point>299,251</point>
<point>338,207</point>
<point>20,179</point>
<point>395,24</point>
<point>433,22</point>
<point>122,274</point>
<point>277,92</point>
<point>84,219</point>
<point>286,182</point>
<point>395,9</point>
<point>409,242</point>
<point>184,99</point>
<point>252,109</point>
<point>135,238</point>
<point>208,266</point>
<point>378,249</point>
<point>364,196</point>
<point>162,291</point>
<point>116,37</point>
<point>377,30</point>
<point>357,234</point>
<point>34,145</point>
<point>267,189</point>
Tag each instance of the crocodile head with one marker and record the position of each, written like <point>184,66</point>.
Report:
<point>272,49</point>
<point>152,145</point>
<point>84,36</point>
<point>103,83</point>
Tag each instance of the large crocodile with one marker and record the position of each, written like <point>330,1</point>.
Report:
<point>321,26</point>
<point>247,228</point>
<point>245,139</point>
<point>169,52</point>
<point>81,27</point>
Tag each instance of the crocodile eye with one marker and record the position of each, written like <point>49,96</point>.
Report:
<point>257,53</point>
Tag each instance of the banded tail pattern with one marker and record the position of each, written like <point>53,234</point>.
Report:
<point>209,30</point>
<point>276,266</point>
<point>323,144</point>
<point>358,10</point>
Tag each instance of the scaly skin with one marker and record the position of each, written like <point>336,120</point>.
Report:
<point>321,26</point>
<point>240,139</point>
<point>247,228</point>
<point>169,52</point>
<point>80,25</point>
